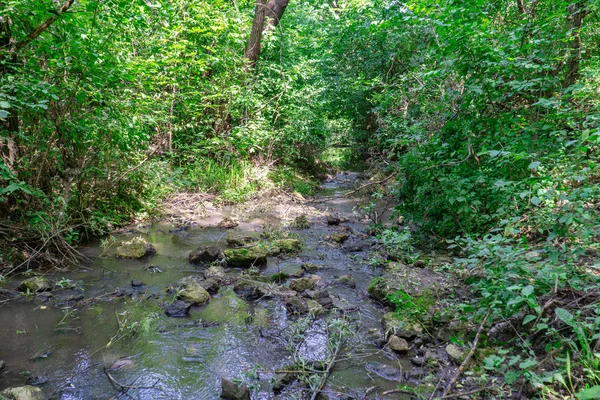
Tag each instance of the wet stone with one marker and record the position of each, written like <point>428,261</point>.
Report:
<point>205,255</point>
<point>191,290</point>
<point>345,280</point>
<point>135,283</point>
<point>2,366</point>
<point>178,309</point>
<point>295,305</point>
<point>228,223</point>
<point>215,272</point>
<point>310,267</point>
<point>398,344</point>
<point>210,285</point>
<point>288,245</point>
<point>246,257</point>
<point>234,391</point>
<point>333,220</point>
<point>302,284</point>
<point>44,296</point>
<point>281,380</point>
<point>23,393</point>
<point>135,248</point>
<point>339,237</point>
<point>384,371</point>
<point>35,284</point>
<point>37,380</point>
<point>235,238</point>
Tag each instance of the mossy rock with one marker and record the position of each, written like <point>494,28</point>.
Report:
<point>135,248</point>
<point>339,237</point>
<point>23,393</point>
<point>379,290</point>
<point>35,284</point>
<point>288,245</point>
<point>205,255</point>
<point>455,353</point>
<point>237,238</point>
<point>191,291</point>
<point>246,257</point>
<point>393,325</point>
<point>314,307</point>
<point>302,284</point>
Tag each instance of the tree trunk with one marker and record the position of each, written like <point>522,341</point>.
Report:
<point>577,12</point>
<point>253,49</point>
<point>275,9</point>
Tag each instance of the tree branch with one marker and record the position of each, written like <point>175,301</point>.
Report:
<point>45,25</point>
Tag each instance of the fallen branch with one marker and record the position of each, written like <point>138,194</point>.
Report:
<point>464,364</point>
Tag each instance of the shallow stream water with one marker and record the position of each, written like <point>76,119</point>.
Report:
<point>75,350</point>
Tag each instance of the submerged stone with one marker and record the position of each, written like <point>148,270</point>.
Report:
<point>205,254</point>
<point>191,290</point>
<point>135,248</point>
<point>35,284</point>
<point>23,393</point>
<point>234,391</point>
<point>246,257</point>
<point>178,309</point>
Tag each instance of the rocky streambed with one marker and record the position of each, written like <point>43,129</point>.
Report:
<point>271,300</point>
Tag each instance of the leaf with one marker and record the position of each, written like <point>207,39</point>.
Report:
<point>527,291</point>
<point>589,393</point>
<point>535,201</point>
<point>534,165</point>
<point>530,362</point>
<point>565,316</point>
<point>528,319</point>
<point>4,104</point>
<point>511,377</point>
<point>4,113</point>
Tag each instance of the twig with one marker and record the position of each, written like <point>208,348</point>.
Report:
<point>329,367</point>
<point>470,392</point>
<point>467,358</point>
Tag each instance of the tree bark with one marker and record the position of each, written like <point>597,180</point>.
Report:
<point>253,49</point>
<point>275,9</point>
<point>577,12</point>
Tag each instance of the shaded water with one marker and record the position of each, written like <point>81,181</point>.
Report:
<point>186,358</point>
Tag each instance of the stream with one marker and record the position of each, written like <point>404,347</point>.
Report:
<point>74,342</point>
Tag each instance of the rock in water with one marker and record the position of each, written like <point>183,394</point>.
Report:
<point>228,223</point>
<point>340,237</point>
<point>398,344</point>
<point>302,284</point>
<point>204,254</point>
<point>191,291</point>
<point>236,238</point>
<point>288,245</point>
<point>23,393</point>
<point>2,366</point>
<point>35,284</point>
<point>178,309</point>
<point>246,257</point>
<point>234,391</point>
<point>135,248</point>
<point>333,220</point>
